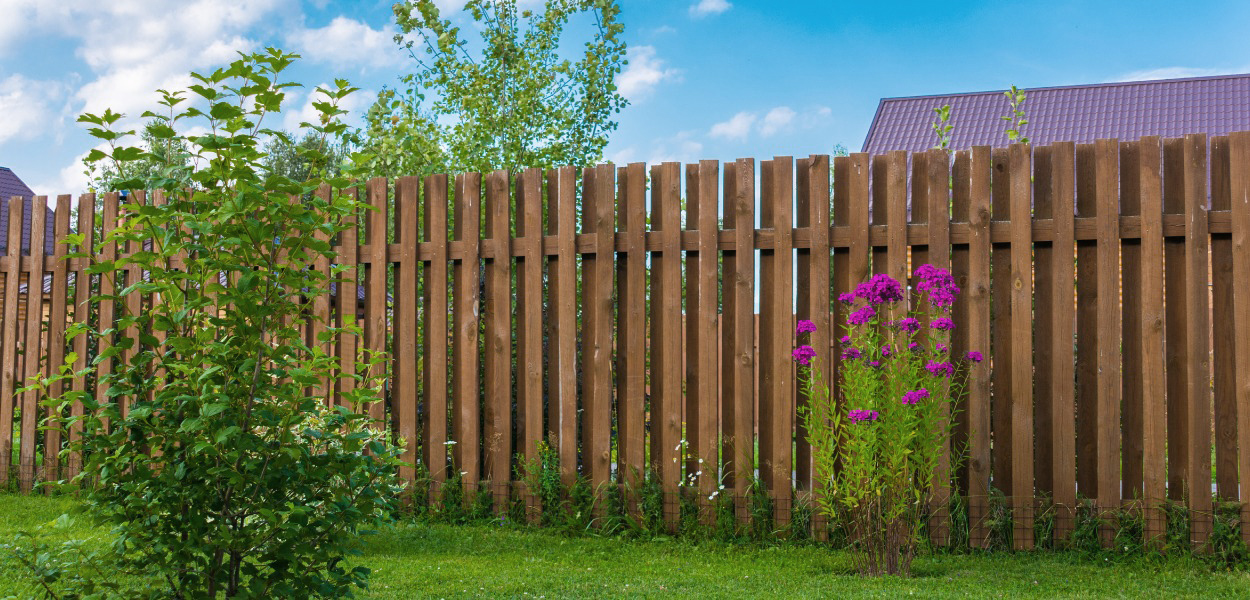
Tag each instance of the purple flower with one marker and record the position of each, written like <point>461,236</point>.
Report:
<point>862,316</point>
<point>914,347</point>
<point>805,326</point>
<point>939,284</point>
<point>881,289</point>
<point>846,340</point>
<point>944,369</point>
<point>909,325</point>
<point>860,415</point>
<point>885,351</point>
<point>915,396</point>
<point>874,364</point>
<point>941,348</point>
<point>804,354</point>
<point>975,356</point>
<point>847,298</point>
<point>850,353</point>
<point>942,323</point>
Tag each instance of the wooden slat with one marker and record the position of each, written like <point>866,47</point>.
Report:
<point>665,347</point>
<point>597,274</point>
<point>320,317</point>
<point>919,209</point>
<point>812,209</point>
<point>1087,292</point>
<point>32,349</point>
<point>1000,328</point>
<point>631,355</point>
<point>345,308</point>
<point>1061,327</point>
<point>1107,167</point>
<point>466,376</point>
<point>1043,313</point>
<point>56,337</point>
<point>977,294</point>
<point>434,327</point>
<point>740,211</point>
<point>1222,341</point>
<point>82,309</point>
<point>701,320</point>
<point>108,285</point>
<point>497,314</point>
<point>561,199</point>
<point>133,302</point>
<point>529,327</point>
<point>938,198</point>
<point>1176,344</point>
<point>1153,388</point>
<point>8,371</point>
<point>1132,437</point>
<point>850,177</point>
<point>1197,329</point>
<point>777,338</point>
<point>961,193</point>
<point>1239,184</point>
<point>1021,329</point>
<point>860,267</point>
<point>404,393</point>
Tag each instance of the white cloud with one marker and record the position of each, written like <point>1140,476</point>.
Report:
<point>777,119</point>
<point>1175,73</point>
<point>738,127</point>
<point>683,148</point>
<point>704,8</point>
<point>644,72</point>
<point>347,43</point>
<point>27,107</point>
<point>71,179</point>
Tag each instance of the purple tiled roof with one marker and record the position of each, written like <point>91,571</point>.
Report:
<point>12,185</point>
<point>1082,113</point>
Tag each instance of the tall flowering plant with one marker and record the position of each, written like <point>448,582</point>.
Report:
<point>877,445</point>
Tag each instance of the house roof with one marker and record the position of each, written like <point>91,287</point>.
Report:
<point>12,185</point>
<point>1215,105</point>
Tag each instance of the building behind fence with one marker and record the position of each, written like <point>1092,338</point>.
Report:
<point>1109,283</point>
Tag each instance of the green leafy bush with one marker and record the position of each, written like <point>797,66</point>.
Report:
<point>219,456</point>
<point>876,449</point>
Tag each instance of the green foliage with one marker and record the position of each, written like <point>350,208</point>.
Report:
<point>167,161</point>
<point>313,156</point>
<point>1016,119</point>
<point>942,126</point>
<point>215,456</point>
<point>509,100</point>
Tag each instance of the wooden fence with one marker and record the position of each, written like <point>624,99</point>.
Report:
<point>1109,283</point>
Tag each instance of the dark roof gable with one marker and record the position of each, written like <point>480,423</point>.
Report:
<point>1081,113</point>
<point>12,185</point>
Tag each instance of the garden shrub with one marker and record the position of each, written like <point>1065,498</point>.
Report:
<point>218,456</point>
<point>886,431</point>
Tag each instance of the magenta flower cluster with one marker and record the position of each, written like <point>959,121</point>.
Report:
<point>942,323</point>
<point>908,325</point>
<point>860,415</point>
<point>944,369</point>
<point>881,289</point>
<point>805,326</point>
<point>862,316</point>
<point>851,353</point>
<point>804,355</point>
<point>975,356</point>
<point>938,284</point>
<point>915,396</point>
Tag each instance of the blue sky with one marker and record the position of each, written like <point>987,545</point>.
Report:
<point>708,78</point>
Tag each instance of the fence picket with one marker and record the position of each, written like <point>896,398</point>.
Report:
<point>1239,184</point>
<point>631,367</point>
<point>1062,330</point>
<point>561,199</point>
<point>497,314</point>
<point>433,323</point>
<point>466,363</point>
<point>1198,332</point>
<point>1151,358</point>
<point>529,314</point>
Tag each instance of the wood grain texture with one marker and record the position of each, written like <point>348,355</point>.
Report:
<point>631,355</point>
<point>433,327</point>
<point>1176,345</point>
<point>497,317</point>
<point>938,180</point>
<point>813,285</point>
<point>58,318</point>
<point>529,327</point>
<point>1222,342</point>
<point>561,205</point>
<point>1021,298</point>
<point>702,278</point>
<point>404,417</point>
<point>1198,332</point>
<point>466,346</point>
<point>1132,436</point>
<point>978,298</point>
<point>1087,292</point>
<point>1239,184</point>
<point>1153,386</point>
<point>1000,326</point>
<point>8,343</point>
<point>776,339</point>
<point>742,287</point>
<point>1107,167</point>
<point>665,347</point>
<point>1062,329</point>
<point>82,314</point>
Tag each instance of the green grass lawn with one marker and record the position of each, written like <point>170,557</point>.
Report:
<point>482,561</point>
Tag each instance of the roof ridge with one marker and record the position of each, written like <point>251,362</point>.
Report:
<point>1078,86</point>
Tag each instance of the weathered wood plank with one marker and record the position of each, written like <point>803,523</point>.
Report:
<point>1021,332</point>
<point>466,313</point>
<point>977,295</point>
<point>776,339</point>
<point>1198,333</point>
<point>561,204</point>
<point>1154,416</point>
<point>1239,183</point>
<point>529,327</point>
<point>665,350</point>
<point>632,327</point>
<point>497,315</point>
<point>433,325</point>
<point>1062,331</point>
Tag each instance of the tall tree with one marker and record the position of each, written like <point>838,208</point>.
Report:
<point>510,100</point>
<point>164,159</point>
